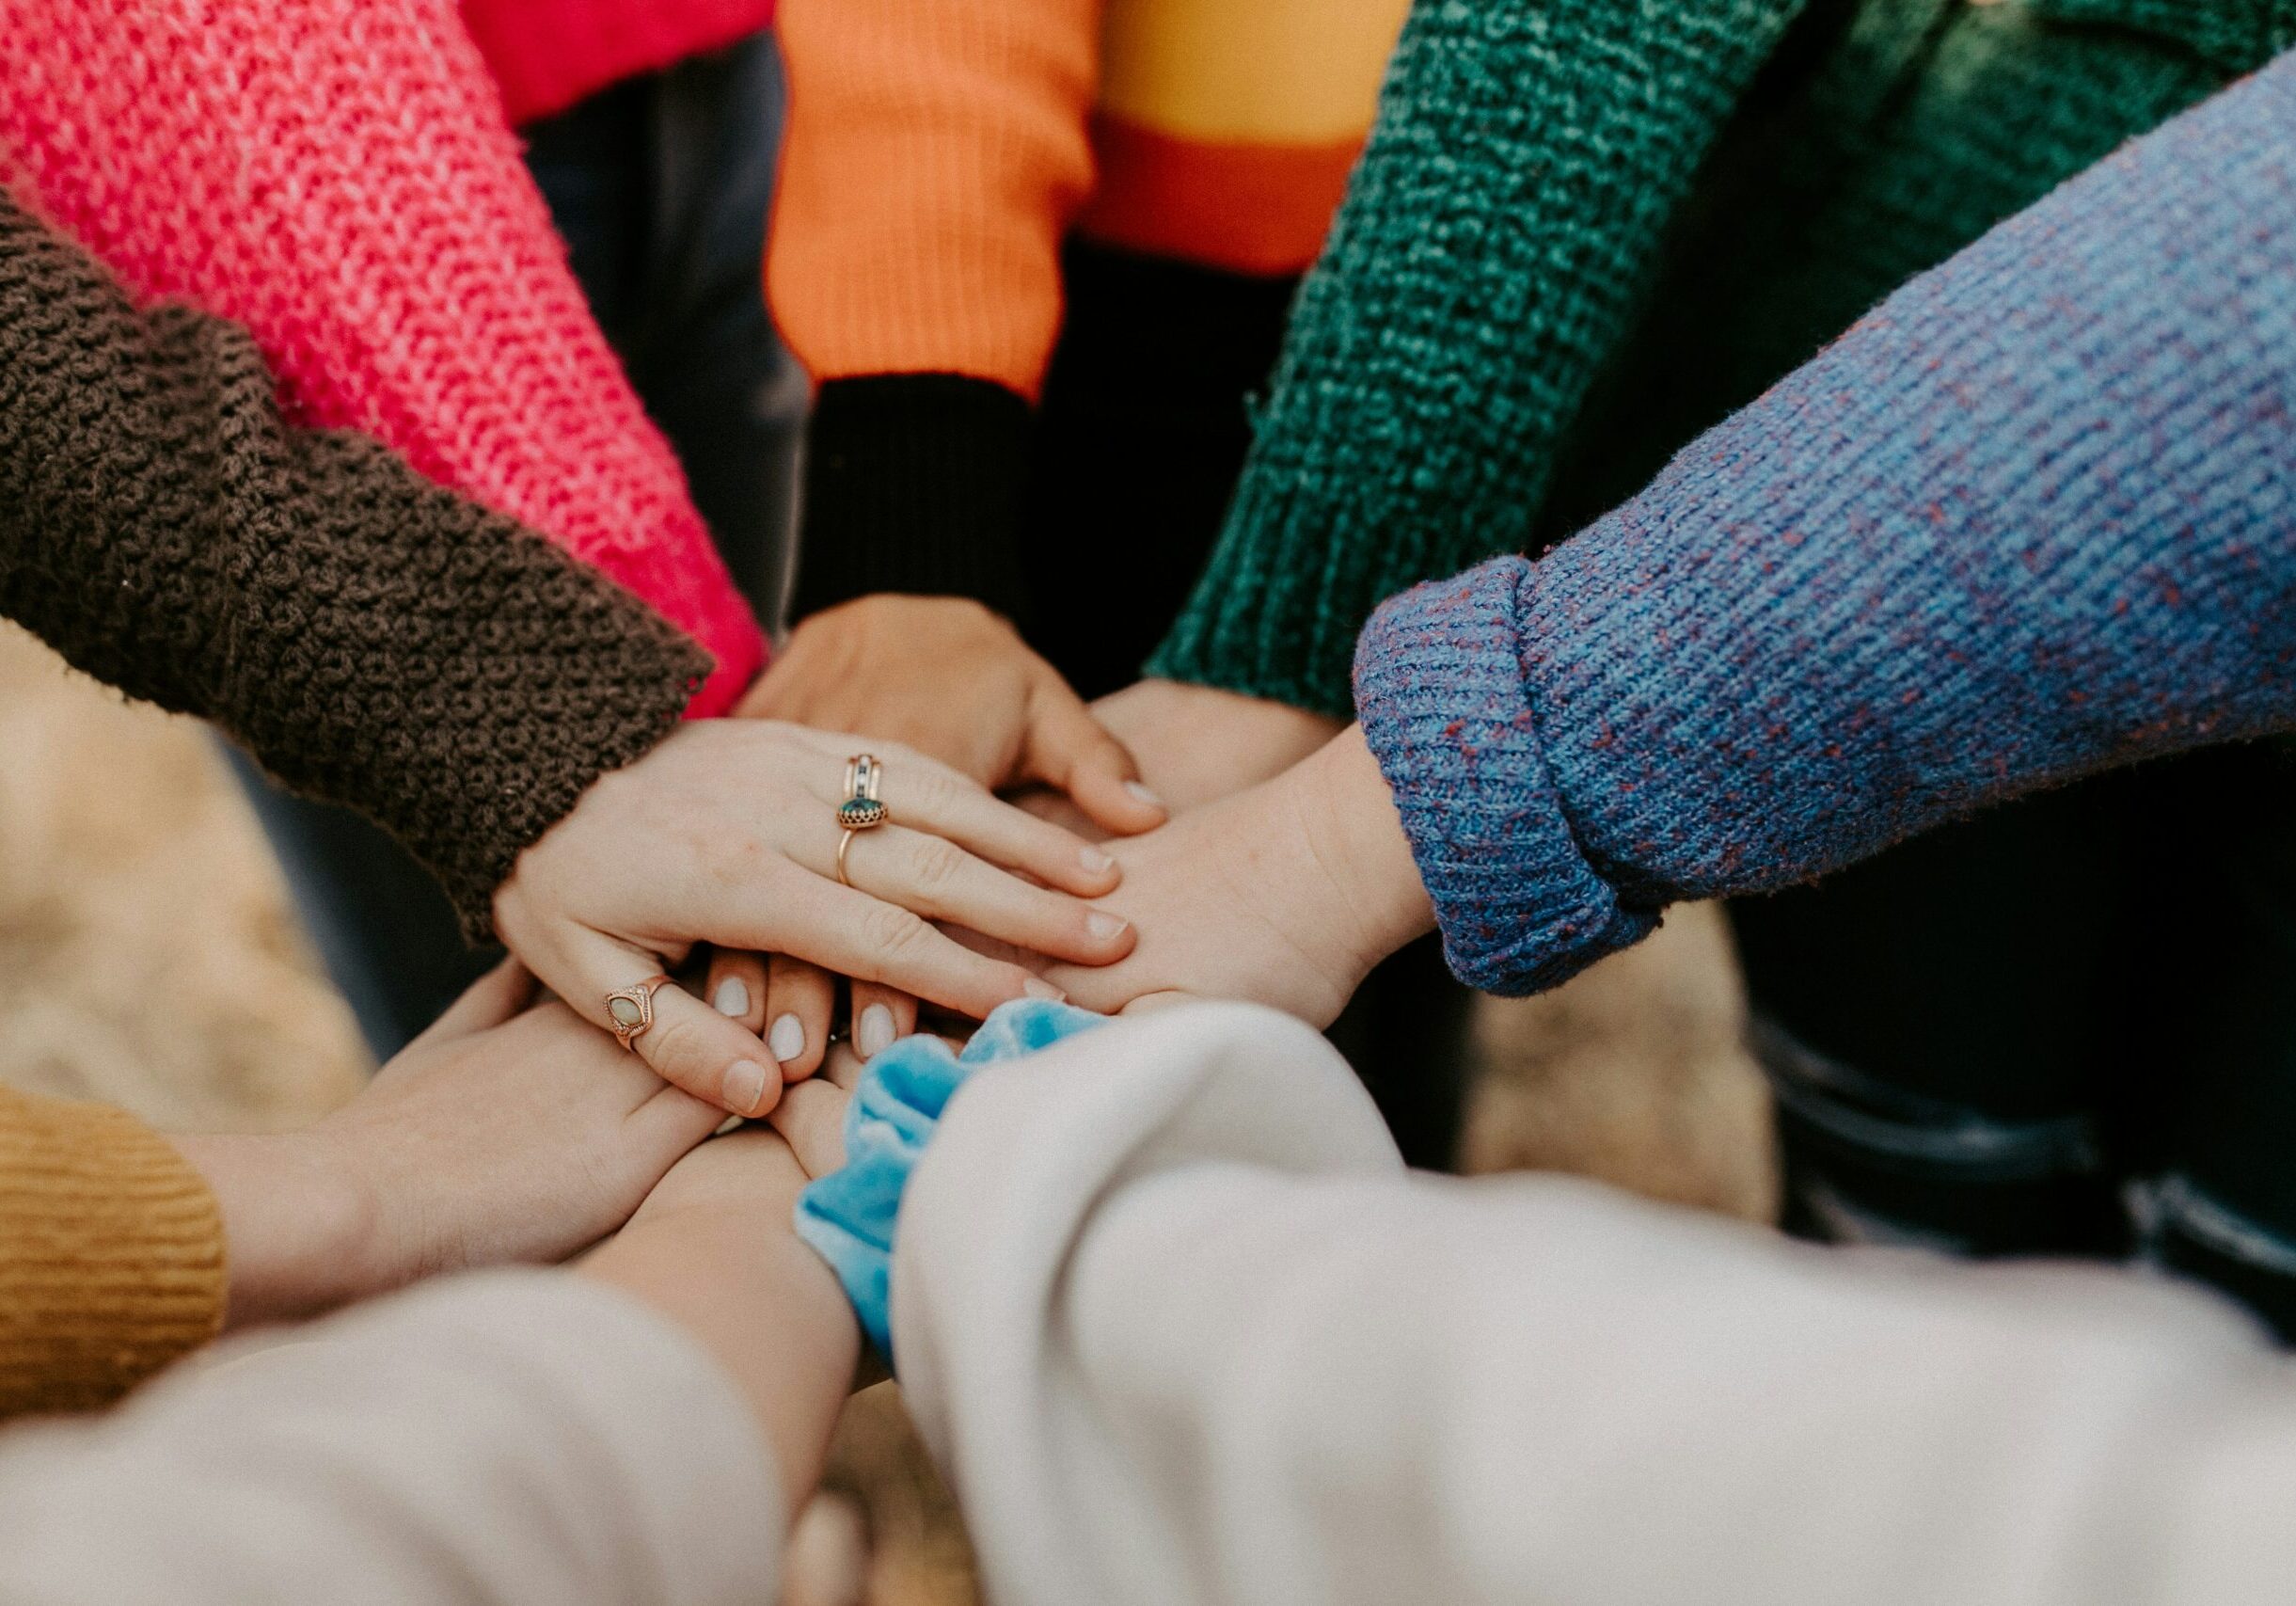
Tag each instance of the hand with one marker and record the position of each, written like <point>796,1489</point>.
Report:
<point>726,834</point>
<point>946,677</point>
<point>1286,894</point>
<point>495,1136</point>
<point>1196,744</point>
<point>954,681</point>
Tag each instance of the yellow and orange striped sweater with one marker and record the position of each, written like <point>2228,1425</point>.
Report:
<point>937,151</point>
<point>938,154</point>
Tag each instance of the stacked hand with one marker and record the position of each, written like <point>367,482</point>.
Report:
<point>1281,879</point>
<point>728,833</point>
<point>1286,893</point>
<point>1281,874</point>
<point>504,1133</point>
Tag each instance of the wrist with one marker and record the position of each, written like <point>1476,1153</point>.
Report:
<point>298,1228</point>
<point>1347,819</point>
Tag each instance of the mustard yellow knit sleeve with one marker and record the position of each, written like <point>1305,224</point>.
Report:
<point>111,1254</point>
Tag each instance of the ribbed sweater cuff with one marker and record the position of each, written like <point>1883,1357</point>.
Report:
<point>1274,613</point>
<point>913,483</point>
<point>111,1255</point>
<point>1440,691</point>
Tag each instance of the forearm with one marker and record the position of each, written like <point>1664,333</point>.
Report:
<point>299,1232</point>
<point>1525,160</point>
<point>372,639</point>
<point>2024,522</point>
<point>407,285</point>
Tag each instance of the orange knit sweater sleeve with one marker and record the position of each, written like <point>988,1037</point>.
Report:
<point>111,1254</point>
<point>935,154</point>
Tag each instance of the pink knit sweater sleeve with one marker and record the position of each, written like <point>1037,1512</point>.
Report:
<point>337,176</point>
<point>547,54</point>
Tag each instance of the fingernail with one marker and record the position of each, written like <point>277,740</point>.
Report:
<point>745,1085</point>
<point>1104,925</point>
<point>733,997</point>
<point>1099,864</point>
<point>786,1039</point>
<point>1036,987</point>
<point>1144,794</point>
<point>875,1033</point>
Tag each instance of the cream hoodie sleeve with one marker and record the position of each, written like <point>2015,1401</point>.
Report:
<point>503,1439</point>
<point>1184,1331</point>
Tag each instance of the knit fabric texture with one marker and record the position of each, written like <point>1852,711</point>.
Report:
<point>1579,238</point>
<point>111,1255</point>
<point>1526,159</point>
<point>2035,516</point>
<point>372,639</point>
<point>913,482</point>
<point>339,178</point>
<point>1883,137</point>
<point>936,153</point>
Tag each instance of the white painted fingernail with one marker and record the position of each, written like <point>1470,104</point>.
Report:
<point>1094,860</point>
<point>1036,987</point>
<point>786,1039</point>
<point>1104,925</point>
<point>1141,791</point>
<point>745,1085</point>
<point>733,997</point>
<point>875,1033</point>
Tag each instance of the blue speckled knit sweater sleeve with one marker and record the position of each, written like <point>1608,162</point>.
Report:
<point>2035,516</point>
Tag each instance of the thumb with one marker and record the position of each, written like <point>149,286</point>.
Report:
<point>1072,752</point>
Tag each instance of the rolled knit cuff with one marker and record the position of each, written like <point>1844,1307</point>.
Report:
<point>1248,631</point>
<point>111,1255</point>
<point>1439,688</point>
<point>913,482</point>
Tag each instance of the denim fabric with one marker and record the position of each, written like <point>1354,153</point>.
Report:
<point>661,186</point>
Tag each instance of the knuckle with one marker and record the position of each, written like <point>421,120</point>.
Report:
<point>678,1050</point>
<point>935,789</point>
<point>938,864</point>
<point>891,932</point>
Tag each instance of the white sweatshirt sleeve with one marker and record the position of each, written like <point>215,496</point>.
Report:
<point>505,1439</point>
<point>1183,1330</point>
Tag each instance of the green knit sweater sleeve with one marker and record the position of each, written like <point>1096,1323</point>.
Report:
<point>371,639</point>
<point>1527,155</point>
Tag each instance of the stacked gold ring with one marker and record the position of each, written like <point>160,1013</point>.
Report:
<point>862,809</point>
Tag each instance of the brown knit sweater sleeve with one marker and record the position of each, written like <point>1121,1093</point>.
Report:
<point>111,1254</point>
<point>371,639</point>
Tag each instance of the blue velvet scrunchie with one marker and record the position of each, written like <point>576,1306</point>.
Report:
<point>850,1216</point>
